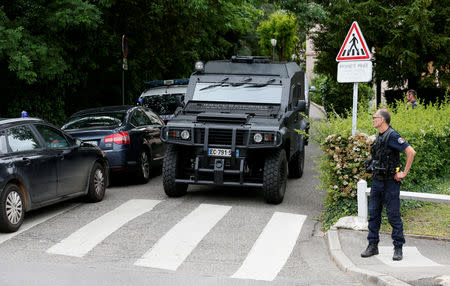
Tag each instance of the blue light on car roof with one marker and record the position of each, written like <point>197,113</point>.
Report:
<point>179,81</point>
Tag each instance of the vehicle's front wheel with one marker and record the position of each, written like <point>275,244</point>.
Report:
<point>172,161</point>
<point>297,164</point>
<point>144,167</point>
<point>97,183</point>
<point>275,177</point>
<point>12,208</point>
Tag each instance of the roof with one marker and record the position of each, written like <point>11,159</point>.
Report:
<point>4,121</point>
<point>176,89</point>
<point>167,82</point>
<point>252,66</point>
<point>116,108</point>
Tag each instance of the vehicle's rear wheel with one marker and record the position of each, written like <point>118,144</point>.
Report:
<point>297,164</point>
<point>144,167</point>
<point>12,208</point>
<point>275,177</point>
<point>97,183</point>
<point>170,169</point>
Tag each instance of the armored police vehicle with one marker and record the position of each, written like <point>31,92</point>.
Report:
<point>242,125</point>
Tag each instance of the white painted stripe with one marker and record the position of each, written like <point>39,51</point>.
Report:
<point>86,238</point>
<point>33,221</point>
<point>411,257</point>
<point>272,248</point>
<point>172,249</point>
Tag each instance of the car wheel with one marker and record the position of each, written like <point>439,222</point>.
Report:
<point>297,164</point>
<point>12,208</point>
<point>97,183</point>
<point>144,167</point>
<point>275,177</point>
<point>170,170</point>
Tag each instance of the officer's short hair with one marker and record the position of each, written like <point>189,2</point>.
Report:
<point>386,115</point>
<point>413,92</point>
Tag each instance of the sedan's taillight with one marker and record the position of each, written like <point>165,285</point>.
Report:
<point>118,138</point>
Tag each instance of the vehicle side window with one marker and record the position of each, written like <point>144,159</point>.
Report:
<point>21,138</point>
<point>3,146</point>
<point>139,118</point>
<point>296,93</point>
<point>154,118</point>
<point>53,138</point>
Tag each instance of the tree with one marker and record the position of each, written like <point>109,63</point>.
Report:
<point>308,13</point>
<point>283,27</point>
<point>44,50</point>
<point>59,56</point>
<point>408,37</point>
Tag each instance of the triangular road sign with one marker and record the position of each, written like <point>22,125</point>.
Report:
<point>354,47</point>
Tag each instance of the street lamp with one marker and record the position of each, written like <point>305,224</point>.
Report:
<point>274,43</point>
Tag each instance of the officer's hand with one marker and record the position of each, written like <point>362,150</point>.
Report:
<point>399,176</point>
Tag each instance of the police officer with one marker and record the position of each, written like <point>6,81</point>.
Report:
<point>411,98</point>
<point>385,188</point>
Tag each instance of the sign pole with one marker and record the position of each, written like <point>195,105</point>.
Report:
<point>355,108</point>
<point>123,86</point>
<point>124,65</point>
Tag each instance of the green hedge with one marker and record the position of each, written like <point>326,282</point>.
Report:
<point>426,128</point>
<point>338,97</point>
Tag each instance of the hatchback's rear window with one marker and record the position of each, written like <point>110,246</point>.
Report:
<point>96,120</point>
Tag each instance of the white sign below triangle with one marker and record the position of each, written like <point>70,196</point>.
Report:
<point>354,47</point>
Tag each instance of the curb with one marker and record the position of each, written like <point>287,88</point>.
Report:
<point>345,264</point>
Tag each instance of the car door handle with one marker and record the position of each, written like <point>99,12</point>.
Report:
<point>27,161</point>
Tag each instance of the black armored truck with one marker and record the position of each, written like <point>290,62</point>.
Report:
<point>244,123</point>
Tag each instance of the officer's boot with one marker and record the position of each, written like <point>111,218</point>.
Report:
<point>398,253</point>
<point>372,249</point>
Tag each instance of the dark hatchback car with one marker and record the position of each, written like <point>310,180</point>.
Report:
<point>41,165</point>
<point>129,135</point>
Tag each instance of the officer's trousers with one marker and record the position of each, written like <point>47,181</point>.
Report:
<point>387,192</point>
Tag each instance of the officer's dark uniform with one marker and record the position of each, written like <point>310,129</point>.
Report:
<point>386,155</point>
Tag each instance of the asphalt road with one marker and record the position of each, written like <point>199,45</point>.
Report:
<point>211,236</point>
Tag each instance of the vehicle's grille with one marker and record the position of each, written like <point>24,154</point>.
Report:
<point>220,136</point>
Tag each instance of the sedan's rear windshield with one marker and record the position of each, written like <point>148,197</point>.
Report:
<point>95,120</point>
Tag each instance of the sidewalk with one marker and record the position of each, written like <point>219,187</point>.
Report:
<point>426,261</point>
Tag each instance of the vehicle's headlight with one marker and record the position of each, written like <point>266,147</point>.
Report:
<point>185,135</point>
<point>257,137</point>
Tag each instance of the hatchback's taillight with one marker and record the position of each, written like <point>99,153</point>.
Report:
<point>118,138</point>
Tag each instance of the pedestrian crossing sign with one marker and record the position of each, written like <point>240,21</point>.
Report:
<point>354,47</point>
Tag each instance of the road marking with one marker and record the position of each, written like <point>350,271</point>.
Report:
<point>411,257</point>
<point>86,238</point>
<point>172,249</point>
<point>33,221</point>
<point>272,248</point>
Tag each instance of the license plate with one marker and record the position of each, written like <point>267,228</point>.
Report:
<point>92,142</point>
<point>217,152</point>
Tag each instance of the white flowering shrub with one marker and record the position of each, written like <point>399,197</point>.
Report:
<point>345,156</point>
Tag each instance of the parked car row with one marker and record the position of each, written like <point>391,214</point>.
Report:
<point>41,164</point>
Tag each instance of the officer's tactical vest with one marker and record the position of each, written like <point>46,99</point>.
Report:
<point>386,158</point>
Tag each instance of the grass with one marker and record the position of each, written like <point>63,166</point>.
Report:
<point>428,219</point>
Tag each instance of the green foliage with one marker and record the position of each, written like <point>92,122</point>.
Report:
<point>337,97</point>
<point>283,27</point>
<point>406,36</point>
<point>427,130</point>
<point>60,56</point>
<point>308,13</point>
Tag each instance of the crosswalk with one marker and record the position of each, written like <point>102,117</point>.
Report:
<point>264,261</point>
